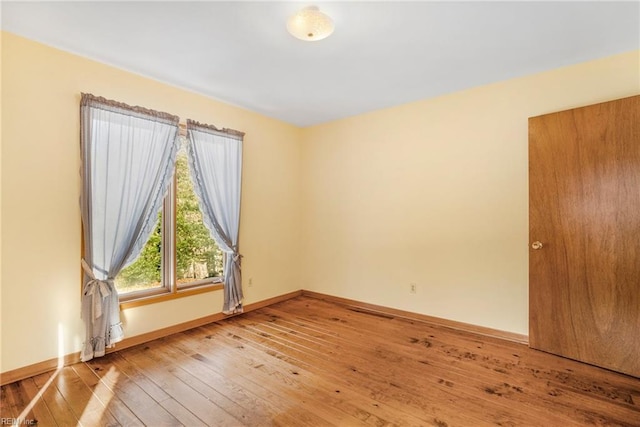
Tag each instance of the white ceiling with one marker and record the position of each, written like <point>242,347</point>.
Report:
<point>381,53</point>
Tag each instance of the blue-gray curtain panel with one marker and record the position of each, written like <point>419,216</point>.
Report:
<point>215,162</point>
<point>128,158</point>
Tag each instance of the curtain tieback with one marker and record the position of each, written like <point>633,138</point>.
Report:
<point>97,289</point>
<point>237,257</point>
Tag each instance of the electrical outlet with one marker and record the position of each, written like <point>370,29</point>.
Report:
<point>250,284</point>
<point>412,288</point>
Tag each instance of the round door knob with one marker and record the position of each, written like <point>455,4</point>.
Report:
<point>536,245</point>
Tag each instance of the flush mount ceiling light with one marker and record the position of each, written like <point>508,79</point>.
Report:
<point>310,24</point>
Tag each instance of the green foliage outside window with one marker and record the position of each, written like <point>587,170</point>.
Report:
<point>197,255</point>
<point>145,272</point>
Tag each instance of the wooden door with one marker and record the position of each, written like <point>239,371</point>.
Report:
<point>584,231</point>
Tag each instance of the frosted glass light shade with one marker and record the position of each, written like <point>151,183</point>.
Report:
<point>310,24</point>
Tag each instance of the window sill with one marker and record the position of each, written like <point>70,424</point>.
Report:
<point>167,296</point>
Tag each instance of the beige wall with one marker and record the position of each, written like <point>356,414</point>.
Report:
<point>0,200</point>
<point>435,193</point>
<point>40,191</point>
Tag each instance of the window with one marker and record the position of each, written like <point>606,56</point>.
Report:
<point>127,162</point>
<point>180,254</point>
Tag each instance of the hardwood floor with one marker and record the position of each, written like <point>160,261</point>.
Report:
<point>307,362</point>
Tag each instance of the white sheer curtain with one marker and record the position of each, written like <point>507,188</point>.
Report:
<point>215,161</point>
<point>128,157</point>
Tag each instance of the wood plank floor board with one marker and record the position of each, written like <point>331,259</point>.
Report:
<point>55,401</point>
<point>273,382</point>
<point>18,401</point>
<point>182,366</point>
<point>502,387</point>
<point>21,400</point>
<point>330,393</point>
<point>326,367</point>
<point>41,412</point>
<point>239,413</point>
<point>470,338</point>
<point>192,400</point>
<point>354,359</point>
<point>222,379</point>
<point>107,397</point>
<point>159,402</point>
<point>220,364</point>
<point>310,363</point>
<point>7,407</point>
<point>288,378</point>
<point>369,409</point>
<point>618,395</point>
<point>394,332</point>
<point>264,398</point>
<point>89,410</point>
<point>500,384</point>
<point>409,366</point>
<point>435,399</point>
<point>280,387</point>
<point>117,371</point>
<point>134,390</point>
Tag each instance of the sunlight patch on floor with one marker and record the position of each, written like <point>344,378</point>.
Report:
<point>36,399</point>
